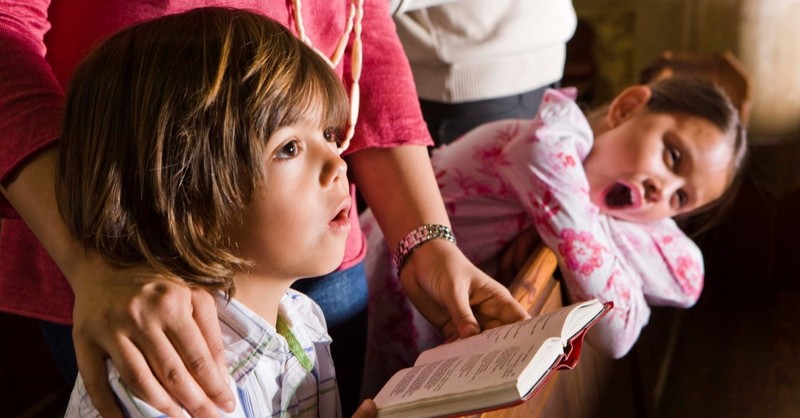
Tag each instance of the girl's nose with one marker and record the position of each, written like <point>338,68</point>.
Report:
<point>652,191</point>
<point>657,189</point>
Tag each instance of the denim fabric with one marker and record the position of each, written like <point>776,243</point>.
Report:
<point>342,295</point>
<point>59,340</point>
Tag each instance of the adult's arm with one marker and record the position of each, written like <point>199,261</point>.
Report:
<point>391,167</point>
<point>453,294</point>
<point>135,317</point>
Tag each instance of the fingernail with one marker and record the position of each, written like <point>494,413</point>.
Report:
<point>229,406</point>
<point>470,329</point>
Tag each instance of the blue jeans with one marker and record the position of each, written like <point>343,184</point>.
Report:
<point>58,338</point>
<point>342,295</point>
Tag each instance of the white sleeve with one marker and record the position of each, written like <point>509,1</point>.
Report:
<point>402,6</point>
<point>80,405</point>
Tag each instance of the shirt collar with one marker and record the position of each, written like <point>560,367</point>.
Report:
<point>248,337</point>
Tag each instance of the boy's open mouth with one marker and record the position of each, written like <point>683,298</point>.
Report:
<point>619,196</point>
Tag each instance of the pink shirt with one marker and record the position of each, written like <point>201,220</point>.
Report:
<point>40,44</point>
<point>506,176</point>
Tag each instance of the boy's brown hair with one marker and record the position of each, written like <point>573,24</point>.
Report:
<point>165,130</point>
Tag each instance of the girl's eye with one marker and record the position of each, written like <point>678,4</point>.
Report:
<point>683,198</point>
<point>674,157</point>
<point>288,150</point>
<point>332,135</point>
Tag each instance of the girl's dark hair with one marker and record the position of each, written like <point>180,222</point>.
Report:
<point>165,130</point>
<point>701,98</point>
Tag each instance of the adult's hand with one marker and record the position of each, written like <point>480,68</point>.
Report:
<point>454,295</point>
<point>161,335</point>
<point>399,185</point>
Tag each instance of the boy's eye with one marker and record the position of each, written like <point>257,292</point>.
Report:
<point>332,135</point>
<point>288,150</point>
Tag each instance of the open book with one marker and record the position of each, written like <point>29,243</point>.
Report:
<point>496,368</point>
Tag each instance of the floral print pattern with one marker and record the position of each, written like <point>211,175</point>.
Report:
<point>580,252</point>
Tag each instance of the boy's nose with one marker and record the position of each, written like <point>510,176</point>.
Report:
<point>335,169</point>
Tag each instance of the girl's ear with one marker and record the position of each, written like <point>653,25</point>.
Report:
<point>630,100</point>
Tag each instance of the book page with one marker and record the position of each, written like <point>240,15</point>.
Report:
<point>528,332</point>
<point>582,314</point>
<point>485,369</point>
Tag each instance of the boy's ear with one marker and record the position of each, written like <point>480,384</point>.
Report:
<point>630,100</point>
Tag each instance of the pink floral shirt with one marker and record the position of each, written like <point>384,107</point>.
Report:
<point>505,176</point>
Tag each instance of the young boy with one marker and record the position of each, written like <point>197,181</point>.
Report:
<point>204,144</point>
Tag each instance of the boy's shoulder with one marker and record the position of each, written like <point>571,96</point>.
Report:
<point>295,308</point>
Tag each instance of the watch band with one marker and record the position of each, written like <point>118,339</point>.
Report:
<point>416,238</point>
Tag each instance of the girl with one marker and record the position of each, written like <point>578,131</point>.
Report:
<point>600,192</point>
<point>204,145</point>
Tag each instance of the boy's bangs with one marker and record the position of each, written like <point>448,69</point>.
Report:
<point>319,97</point>
<point>321,102</point>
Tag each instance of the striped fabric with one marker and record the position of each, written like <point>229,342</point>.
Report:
<point>266,377</point>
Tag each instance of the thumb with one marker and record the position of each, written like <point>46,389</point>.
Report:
<point>366,410</point>
<point>461,316</point>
